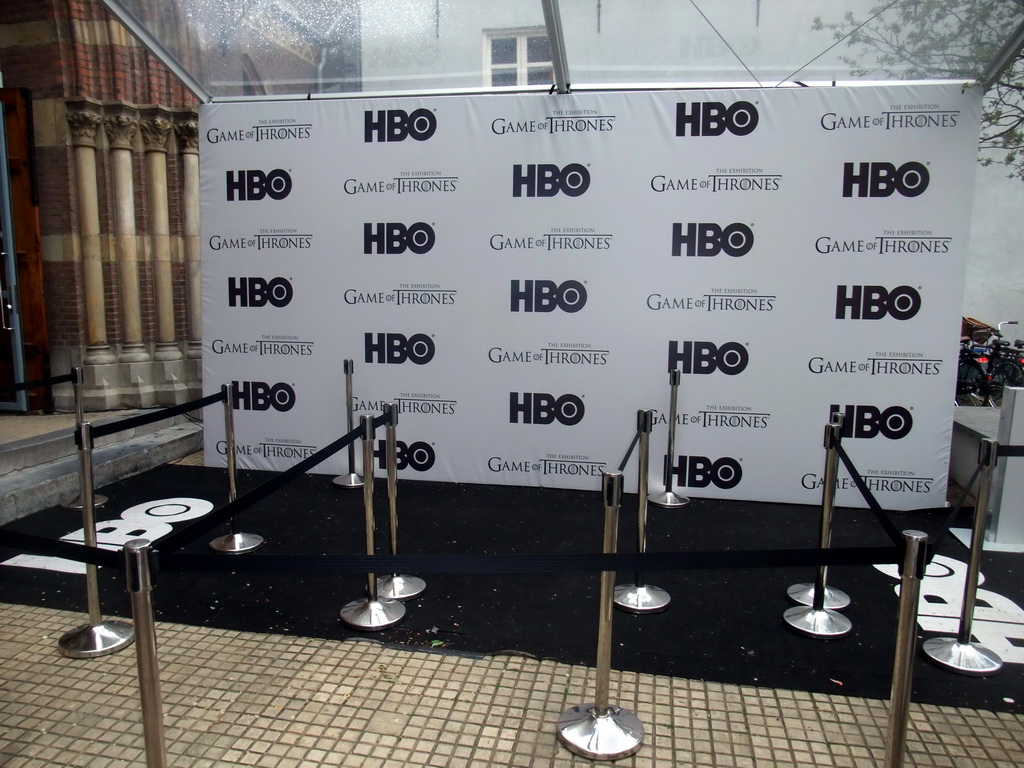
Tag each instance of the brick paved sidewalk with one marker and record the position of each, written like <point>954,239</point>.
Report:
<point>246,699</point>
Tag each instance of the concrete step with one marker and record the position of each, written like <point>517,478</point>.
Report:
<point>43,471</point>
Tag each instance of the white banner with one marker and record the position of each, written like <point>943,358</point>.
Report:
<point>520,273</point>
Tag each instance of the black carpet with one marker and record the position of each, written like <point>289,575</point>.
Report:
<point>723,625</point>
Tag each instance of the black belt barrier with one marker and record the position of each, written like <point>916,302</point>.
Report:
<point>537,563</point>
<point>953,513</point>
<point>459,563</point>
<point>19,386</point>
<point>1002,450</point>
<point>38,545</point>
<point>629,451</point>
<point>869,497</point>
<point>209,522</point>
<point>169,559</point>
<point>132,422</point>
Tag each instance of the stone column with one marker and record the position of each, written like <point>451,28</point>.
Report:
<point>156,129</point>
<point>187,129</point>
<point>122,123</point>
<point>84,119</point>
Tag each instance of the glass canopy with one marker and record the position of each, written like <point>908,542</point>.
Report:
<point>242,49</point>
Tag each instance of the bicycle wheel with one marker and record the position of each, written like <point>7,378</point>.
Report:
<point>971,384</point>
<point>1005,373</point>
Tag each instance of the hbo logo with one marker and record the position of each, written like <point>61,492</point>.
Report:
<point>257,292</point>
<point>259,396</point>
<point>395,348</point>
<point>149,520</point>
<point>393,238</point>
<point>397,125</point>
<point>708,239</point>
<point>700,472</point>
<point>547,296</point>
<point>873,302</point>
<point>704,357</point>
<point>712,118</point>
<point>542,408</point>
<point>419,456</point>
<point>883,179</point>
<point>256,185</point>
<point>867,421</point>
<point>547,180</point>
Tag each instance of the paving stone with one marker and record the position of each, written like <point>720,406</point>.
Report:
<point>246,699</point>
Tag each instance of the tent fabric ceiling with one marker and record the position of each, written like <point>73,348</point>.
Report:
<point>244,49</point>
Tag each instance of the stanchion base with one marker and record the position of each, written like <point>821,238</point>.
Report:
<point>371,615</point>
<point>237,543</point>
<point>823,624</point>
<point>968,659</point>
<point>803,594</point>
<point>618,733</point>
<point>88,641</point>
<point>351,480</point>
<point>400,587</point>
<point>98,500</point>
<point>667,499</point>
<point>641,598</point>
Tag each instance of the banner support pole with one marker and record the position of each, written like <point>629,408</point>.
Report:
<point>140,589</point>
<point>639,597</point>
<point>98,637</point>
<point>396,586</point>
<point>808,594</point>
<point>372,612</point>
<point>77,382</point>
<point>234,543</point>
<point>600,730</point>
<point>817,618</point>
<point>906,640</point>
<point>668,498</point>
<point>351,479</point>
<point>960,654</point>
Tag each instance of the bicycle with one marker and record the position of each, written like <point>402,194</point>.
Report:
<point>1006,362</point>
<point>972,383</point>
<point>987,364</point>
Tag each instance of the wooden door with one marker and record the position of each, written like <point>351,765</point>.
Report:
<point>32,349</point>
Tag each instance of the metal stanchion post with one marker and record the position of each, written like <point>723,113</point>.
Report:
<point>906,639</point>
<point>396,586</point>
<point>818,618</point>
<point>602,731</point>
<point>140,588</point>
<point>234,543</point>
<point>667,498</point>
<point>98,637</point>
<point>98,499</point>
<point>351,479</point>
<point>803,593</point>
<point>372,612</point>
<point>959,654</point>
<point>639,597</point>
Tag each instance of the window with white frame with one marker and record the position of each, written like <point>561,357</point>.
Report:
<point>519,57</point>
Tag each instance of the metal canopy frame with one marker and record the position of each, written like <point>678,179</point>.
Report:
<point>248,14</point>
<point>156,46</point>
<point>1004,59</point>
<point>553,22</point>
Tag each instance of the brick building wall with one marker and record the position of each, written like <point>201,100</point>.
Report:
<point>66,50</point>
<point>90,83</point>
